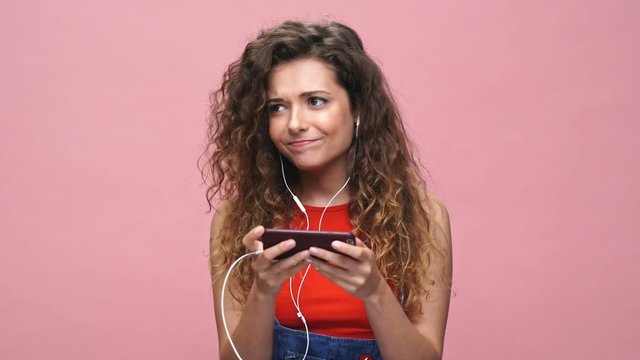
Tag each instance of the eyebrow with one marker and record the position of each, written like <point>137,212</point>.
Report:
<point>302,95</point>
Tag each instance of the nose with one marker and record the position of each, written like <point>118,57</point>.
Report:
<point>297,121</point>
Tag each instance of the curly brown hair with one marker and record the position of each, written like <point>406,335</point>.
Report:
<point>242,165</point>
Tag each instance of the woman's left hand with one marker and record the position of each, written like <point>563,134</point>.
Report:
<point>356,272</point>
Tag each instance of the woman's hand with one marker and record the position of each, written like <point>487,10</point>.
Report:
<point>356,272</point>
<point>269,273</point>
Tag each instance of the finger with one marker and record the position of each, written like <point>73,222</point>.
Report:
<point>278,249</point>
<point>285,265</point>
<point>360,243</point>
<point>266,258</point>
<point>333,273</point>
<point>251,239</point>
<point>353,251</point>
<point>290,266</point>
<point>294,270</point>
<point>333,258</point>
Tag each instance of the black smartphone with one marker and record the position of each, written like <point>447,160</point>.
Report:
<point>304,239</point>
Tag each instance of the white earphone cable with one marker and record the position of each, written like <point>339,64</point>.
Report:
<point>296,301</point>
<point>224,286</point>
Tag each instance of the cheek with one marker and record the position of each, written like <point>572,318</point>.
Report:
<point>338,123</point>
<point>343,130</point>
<point>273,131</point>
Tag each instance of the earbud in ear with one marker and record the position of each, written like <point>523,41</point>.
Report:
<point>357,125</point>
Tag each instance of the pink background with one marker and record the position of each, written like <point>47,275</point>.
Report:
<point>526,114</point>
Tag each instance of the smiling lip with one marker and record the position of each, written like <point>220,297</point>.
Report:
<point>301,143</point>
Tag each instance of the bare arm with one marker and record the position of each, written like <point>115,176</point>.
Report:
<point>397,336</point>
<point>251,324</point>
<point>425,336</point>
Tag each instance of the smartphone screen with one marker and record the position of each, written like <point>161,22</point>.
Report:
<point>304,239</point>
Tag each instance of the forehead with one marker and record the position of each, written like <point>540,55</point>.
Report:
<point>302,75</point>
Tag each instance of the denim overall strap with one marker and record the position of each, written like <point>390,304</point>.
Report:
<point>289,344</point>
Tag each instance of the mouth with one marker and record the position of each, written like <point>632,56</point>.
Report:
<point>301,143</point>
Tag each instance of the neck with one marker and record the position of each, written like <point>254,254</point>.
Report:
<point>317,189</point>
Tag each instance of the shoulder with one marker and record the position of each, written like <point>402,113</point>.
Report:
<point>436,210</point>
<point>220,212</point>
<point>439,221</point>
<point>216,247</point>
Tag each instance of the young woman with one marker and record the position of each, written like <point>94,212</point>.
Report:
<point>305,112</point>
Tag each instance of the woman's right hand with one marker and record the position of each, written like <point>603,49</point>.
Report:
<point>269,273</point>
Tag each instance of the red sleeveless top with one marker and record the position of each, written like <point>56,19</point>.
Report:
<point>329,309</point>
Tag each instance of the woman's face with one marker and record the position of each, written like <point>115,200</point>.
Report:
<point>310,120</point>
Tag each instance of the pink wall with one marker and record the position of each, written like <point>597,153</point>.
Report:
<point>526,115</point>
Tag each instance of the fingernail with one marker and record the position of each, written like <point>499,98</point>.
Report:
<point>290,243</point>
<point>309,260</point>
<point>313,250</point>
<point>336,244</point>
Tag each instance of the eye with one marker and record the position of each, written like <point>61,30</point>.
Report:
<point>274,108</point>
<point>317,101</point>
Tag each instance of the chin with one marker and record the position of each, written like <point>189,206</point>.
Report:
<point>306,167</point>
